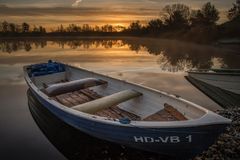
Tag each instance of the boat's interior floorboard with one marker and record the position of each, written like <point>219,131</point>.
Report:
<point>162,115</point>
<point>116,112</point>
<point>85,95</point>
<point>75,98</point>
<point>169,113</point>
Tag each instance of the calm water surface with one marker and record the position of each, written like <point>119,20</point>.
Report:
<point>160,64</point>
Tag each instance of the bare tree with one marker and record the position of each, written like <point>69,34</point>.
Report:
<point>12,27</point>
<point>234,12</point>
<point>25,27</point>
<point>210,13</point>
<point>177,15</point>
<point>135,26</point>
<point>155,25</point>
<point>207,16</point>
<point>5,26</point>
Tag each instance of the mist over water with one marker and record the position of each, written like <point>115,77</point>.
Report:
<point>160,64</point>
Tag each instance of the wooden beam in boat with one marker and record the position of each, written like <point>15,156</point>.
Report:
<point>72,86</point>
<point>108,101</point>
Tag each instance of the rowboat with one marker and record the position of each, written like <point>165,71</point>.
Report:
<point>122,112</point>
<point>223,78</point>
<point>79,145</point>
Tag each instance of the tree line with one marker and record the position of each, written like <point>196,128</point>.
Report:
<point>178,21</point>
<point>6,27</point>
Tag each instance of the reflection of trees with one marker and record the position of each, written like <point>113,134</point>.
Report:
<point>171,54</point>
<point>89,43</point>
<point>182,55</point>
<point>165,64</point>
<point>10,46</point>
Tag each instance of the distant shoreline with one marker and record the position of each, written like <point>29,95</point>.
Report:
<point>68,37</point>
<point>226,41</point>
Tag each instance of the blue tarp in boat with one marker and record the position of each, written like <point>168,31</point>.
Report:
<point>45,69</point>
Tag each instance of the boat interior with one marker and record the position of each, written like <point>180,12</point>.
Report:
<point>104,96</point>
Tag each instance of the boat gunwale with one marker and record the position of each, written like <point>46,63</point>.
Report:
<point>213,73</point>
<point>209,118</point>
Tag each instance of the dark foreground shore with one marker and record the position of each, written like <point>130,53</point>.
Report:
<point>227,146</point>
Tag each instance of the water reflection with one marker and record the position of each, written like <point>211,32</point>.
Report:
<point>10,46</point>
<point>169,54</point>
<point>74,144</point>
<point>11,75</point>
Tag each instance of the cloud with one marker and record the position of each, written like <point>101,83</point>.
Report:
<point>77,3</point>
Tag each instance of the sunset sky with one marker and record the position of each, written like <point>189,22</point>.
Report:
<point>51,13</point>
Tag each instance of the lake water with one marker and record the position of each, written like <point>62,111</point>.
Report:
<point>160,64</point>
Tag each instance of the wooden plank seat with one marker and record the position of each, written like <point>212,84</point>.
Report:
<point>106,102</point>
<point>71,86</point>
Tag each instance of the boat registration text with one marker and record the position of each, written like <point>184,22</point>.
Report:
<point>166,139</point>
